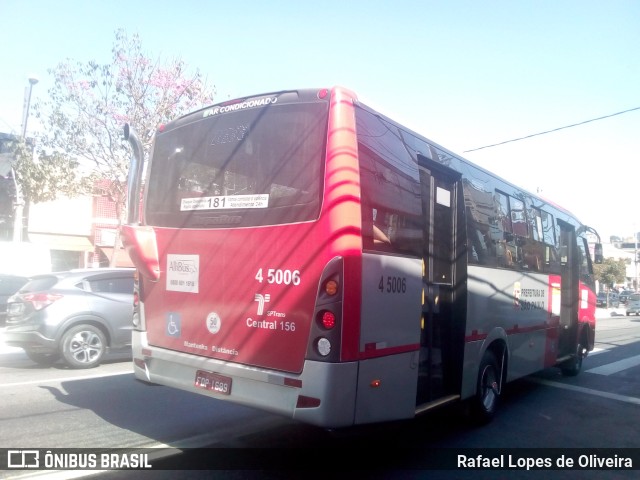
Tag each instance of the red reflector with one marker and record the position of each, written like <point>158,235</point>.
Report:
<point>293,382</point>
<point>146,352</point>
<point>328,320</point>
<point>138,362</point>
<point>307,402</point>
<point>323,93</point>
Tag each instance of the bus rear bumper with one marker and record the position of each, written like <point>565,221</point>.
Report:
<point>324,394</point>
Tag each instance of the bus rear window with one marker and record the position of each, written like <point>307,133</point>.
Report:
<point>260,166</point>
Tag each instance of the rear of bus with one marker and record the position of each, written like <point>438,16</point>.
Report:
<point>248,237</point>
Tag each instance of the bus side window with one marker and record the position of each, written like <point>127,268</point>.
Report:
<point>379,236</point>
<point>391,206</point>
<point>518,218</point>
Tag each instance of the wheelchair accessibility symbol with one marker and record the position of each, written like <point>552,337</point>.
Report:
<point>173,322</point>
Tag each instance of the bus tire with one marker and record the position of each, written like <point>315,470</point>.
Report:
<point>572,367</point>
<point>485,402</point>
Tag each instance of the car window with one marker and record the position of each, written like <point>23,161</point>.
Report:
<point>38,284</point>
<point>111,285</point>
<point>634,297</point>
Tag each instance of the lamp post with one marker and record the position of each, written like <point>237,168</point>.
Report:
<point>19,204</point>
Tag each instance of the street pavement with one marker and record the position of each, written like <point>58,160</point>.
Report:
<point>5,348</point>
<point>600,313</point>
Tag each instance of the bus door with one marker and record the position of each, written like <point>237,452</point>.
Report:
<point>569,290</point>
<point>443,266</point>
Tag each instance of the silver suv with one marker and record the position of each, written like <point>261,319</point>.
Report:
<point>76,315</point>
<point>9,284</point>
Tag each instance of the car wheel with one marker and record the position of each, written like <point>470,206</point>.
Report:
<point>42,358</point>
<point>83,346</point>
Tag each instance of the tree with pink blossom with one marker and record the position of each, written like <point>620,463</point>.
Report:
<point>89,103</point>
<point>83,114</point>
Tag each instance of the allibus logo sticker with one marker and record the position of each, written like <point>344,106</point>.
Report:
<point>183,273</point>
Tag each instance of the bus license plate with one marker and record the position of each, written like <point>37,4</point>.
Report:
<point>214,382</point>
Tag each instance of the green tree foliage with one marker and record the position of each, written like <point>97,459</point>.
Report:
<point>85,110</point>
<point>49,176</point>
<point>611,271</point>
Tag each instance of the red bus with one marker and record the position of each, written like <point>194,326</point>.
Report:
<point>301,253</point>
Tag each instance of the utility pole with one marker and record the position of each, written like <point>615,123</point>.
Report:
<point>635,239</point>
<point>18,223</point>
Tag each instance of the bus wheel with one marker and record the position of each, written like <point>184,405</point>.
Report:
<point>488,389</point>
<point>573,366</point>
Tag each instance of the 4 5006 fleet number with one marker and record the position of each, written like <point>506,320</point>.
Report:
<point>278,276</point>
<point>392,284</point>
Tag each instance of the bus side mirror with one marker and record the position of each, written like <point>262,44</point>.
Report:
<point>597,254</point>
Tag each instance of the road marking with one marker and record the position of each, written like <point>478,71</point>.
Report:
<point>596,351</point>
<point>615,367</point>
<point>597,393</point>
<point>63,379</point>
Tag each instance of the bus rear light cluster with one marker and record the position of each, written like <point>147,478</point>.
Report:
<point>325,337</point>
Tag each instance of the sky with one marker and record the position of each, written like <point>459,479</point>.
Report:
<point>465,74</point>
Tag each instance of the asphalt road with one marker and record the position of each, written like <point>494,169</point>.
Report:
<point>541,415</point>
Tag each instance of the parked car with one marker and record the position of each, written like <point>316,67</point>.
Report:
<point>633,305</point>
<point>608,300</point>
<point>9,284</point>
<point>614,300</point>
<point>76,315</point>
<point>624,295</point>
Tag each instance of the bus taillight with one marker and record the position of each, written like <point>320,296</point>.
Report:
<point>323,345</point>
<point>331,288</point>
<point>136,309</point>
<point>327,320</point>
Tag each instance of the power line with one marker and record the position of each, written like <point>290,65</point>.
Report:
<point>554,130</point>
